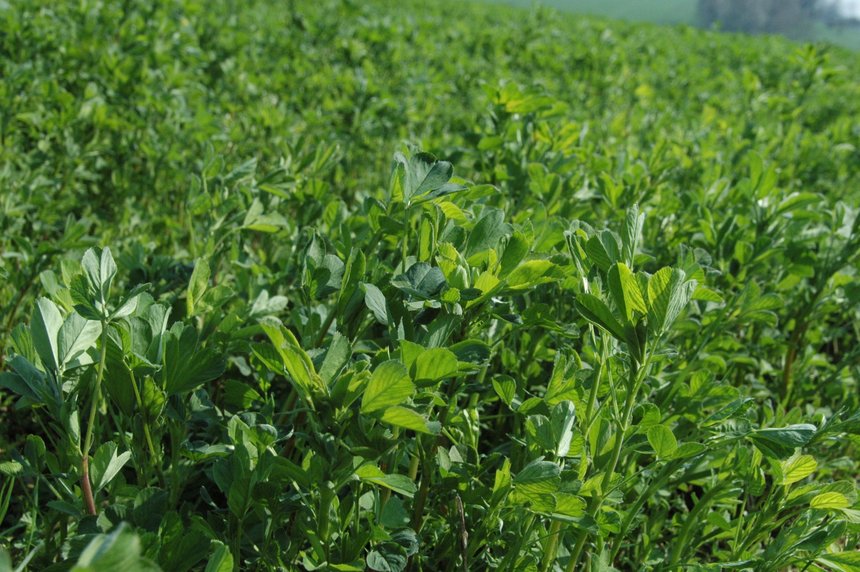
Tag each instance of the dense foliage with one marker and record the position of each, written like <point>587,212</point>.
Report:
<point>236,334</point>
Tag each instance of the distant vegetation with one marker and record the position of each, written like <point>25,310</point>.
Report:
<point>806,20</point>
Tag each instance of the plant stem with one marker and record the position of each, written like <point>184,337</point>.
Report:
<point>146,433</point>
<point>86,486</point>
<point>551,547</point>
<point>659,481</point>
<point>404,243</point>
<point>637,375</point>
<point>679,547</point>
<point>390,464</point>
<point>325,327</point>
<point>426,467</point>
<point>511,559</point>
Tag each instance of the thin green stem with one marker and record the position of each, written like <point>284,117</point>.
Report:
<point>637,375</point>
<point>325,327</point>
<point>404,242</point>
<point>551,547</point>
<point>156,462</point>
<point>86,486</point>
<point>658,482</point>
<point>679,547</point>
<point>511,559</point>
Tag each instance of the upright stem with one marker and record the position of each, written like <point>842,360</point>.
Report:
<point>511,559</point>
<point>426,469</point>
<point>146,432</point>
<point>629,402</point>
<point>637,375</point>
<point>680,545</point>
<point>86,485</point>
<point>658,482</point>
<point>404,243</point>
<point>329,320</point>
<point>551,547</point>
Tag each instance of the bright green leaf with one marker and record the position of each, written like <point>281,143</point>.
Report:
<point>662,440</point>
<point>389,385</point>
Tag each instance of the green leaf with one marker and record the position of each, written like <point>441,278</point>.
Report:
<point>439,174</point>
<point>471,351</point>
<point>11,468</point>
<point>631,232</point>
<point>602,250</point>
<point>561,419</point>
<point>398,483</point>
<point>831,500</point>
<point>338,355</point>
<point>538,477</point>
<point>107,271</point>
<point>409,352</point>
<point>796,468</point>
<point>686,450</point>
<point>489,229</point>
<point>668,294</point>
<point>44,328</point>
<point>375,301</point>
<point>420,174</point>
<point>625,291</point>
<point>435,364</point>
<point>410,419</point>
<point>256,219</point>
<point>197,285</point>
<point>782,441</point>
<point>506,388</point>
<point>531,273</point>
<point>295,360</point>
<point>421,281</point>
<point>393,516</point>
<point>106,464</point>
<point>706,294</point>
<point>238,395</point>
<point>662,440</point>
<point>597,312</point>
<point>221,560</point>
<point>129,304</point>
<point>76,336</point>
<point>516,249</point>
<point>568,505</point>
<point>119,378</point>
<point>841,561</point>
<point>389,385</point>
<point>100,270</point>
<point>354,270</point>
<point>27,381</point>
<point>385,560</point>
<point>119,550</point>
<point>186,366</point>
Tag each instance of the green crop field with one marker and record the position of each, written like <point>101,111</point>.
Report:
<point>407,286</point>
